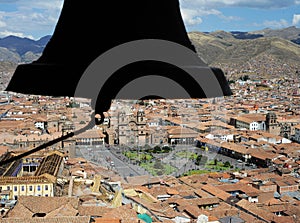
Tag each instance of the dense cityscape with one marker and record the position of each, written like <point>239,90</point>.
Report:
<point>230,159</point>
<point>72,154</point>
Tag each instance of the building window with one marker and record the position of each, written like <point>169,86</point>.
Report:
<point>46,195</point>
<point>30,188</point>
<point>15,188</point>
<point>8,187</point>
<point>22,188</point>
<point>46,187</point>
<point>38,188</point>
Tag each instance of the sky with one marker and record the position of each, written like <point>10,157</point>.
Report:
<point>37,18</point>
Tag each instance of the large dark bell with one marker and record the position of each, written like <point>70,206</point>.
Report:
<point>86,29</point>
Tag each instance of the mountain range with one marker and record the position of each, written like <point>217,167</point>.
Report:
<point>16,49</point>
<point>23,50</point>
<point>218,48</point>
<point>223,48</point>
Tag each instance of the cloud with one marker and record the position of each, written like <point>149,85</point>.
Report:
<point>191,17</point>
<point>282,23</point>
<point>266,4</point>
<point>8,33</point>
<point>194,15</point>
<point>39,17</point>
<point>195,10</point>
<point>31,17</point>
<point>2,22</point>
<point>296,19</point>
<point>53,5</point>
<point>274,24</point>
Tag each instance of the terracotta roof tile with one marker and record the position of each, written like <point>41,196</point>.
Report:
<point>172,191</point>
<point>194,211</point>
<point>252,208</point>
<point>143,180</point>
<point>65,210</point>
<point>91,133</point>
<point>125,212</point>
<point>107,220</point>
<point>28,206</point>
<point>24,179</point>
<point>216,192</point>
<point>77,219</point>
<point>202,194</point>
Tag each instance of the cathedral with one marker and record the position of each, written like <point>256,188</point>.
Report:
<point>282,127</point>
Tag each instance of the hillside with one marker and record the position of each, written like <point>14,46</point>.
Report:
<point>21,50</point>
<point>15,50</point>
<point>24,45</point>
<point>290,33</point>
<point>223,50</point>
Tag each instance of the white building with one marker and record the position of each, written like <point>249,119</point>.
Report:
<point>252,123</point>
<point>40,125</point>
<point>225,136</point>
